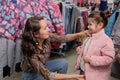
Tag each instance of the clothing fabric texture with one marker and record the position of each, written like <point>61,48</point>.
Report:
<point>101,52</point>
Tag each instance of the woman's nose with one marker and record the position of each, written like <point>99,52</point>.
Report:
<point>49,30</point>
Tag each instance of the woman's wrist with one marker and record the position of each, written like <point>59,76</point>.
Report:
<point>52,76</point>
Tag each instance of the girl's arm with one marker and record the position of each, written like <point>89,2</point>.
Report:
<point>107,55</point>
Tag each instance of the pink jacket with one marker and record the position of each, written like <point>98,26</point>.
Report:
<point>102,54</point>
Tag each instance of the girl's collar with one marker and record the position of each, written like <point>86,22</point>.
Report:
<point>98,34</point>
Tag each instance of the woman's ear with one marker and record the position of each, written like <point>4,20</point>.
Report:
<point>36,34</point>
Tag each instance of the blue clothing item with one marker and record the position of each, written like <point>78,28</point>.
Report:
<point>58,65</point>
<point>14,1</point>
<point>67,19</point>
<point>110,25</point>
<point>115,9</point>
<point>31,76</point>
<point>103,5</point>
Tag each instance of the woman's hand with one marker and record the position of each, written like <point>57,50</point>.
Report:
<point>86,33</point>
<point>81,77</point>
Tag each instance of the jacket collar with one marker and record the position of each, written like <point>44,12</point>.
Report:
<point>98,34</point>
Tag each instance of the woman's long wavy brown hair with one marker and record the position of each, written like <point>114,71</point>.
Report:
<point>29,40</point>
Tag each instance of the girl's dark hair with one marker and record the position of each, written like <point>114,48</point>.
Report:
<point>29,40</point>
<point>100,16</point>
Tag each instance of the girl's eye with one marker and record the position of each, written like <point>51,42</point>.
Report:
<point>89,24</point>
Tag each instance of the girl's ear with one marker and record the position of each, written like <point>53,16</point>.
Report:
<point>101,25</point>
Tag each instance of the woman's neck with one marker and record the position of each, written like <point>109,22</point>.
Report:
<point>40,44</point>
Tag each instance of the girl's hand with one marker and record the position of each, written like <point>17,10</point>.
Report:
<point>76,68</point>
<point>87,59</point>
<point>79,49</point>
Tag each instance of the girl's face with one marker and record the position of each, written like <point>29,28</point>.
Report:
<point>93,26</point>
<point>44,30</point>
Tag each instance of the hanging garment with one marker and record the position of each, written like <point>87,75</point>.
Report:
<point>85,16</point>
<point>116,32</point>
<point>14,1</point>
<point>110,25</point>
<point>68,10</point>
<point>9,22</point>
<point>6,57</point>
<point>79,2</point>
<point>56,17</point>
<point>103,5</point>
<point>44,8</point>
<point>76,13</point>
<point>9,19</point>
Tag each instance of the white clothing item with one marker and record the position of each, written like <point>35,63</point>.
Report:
<point>82,63</point>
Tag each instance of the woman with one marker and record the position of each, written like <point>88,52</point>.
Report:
<point>36,51</point>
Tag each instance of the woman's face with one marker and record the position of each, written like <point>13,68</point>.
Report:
<point>93,26</point>
<point>44,30</point>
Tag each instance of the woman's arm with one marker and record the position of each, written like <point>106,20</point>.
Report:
<point>77,35</point>
<point>69,76</point>
<point>68,37</point>
<point>43,71</point>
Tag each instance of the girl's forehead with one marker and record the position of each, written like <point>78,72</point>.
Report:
<point>91,20</point>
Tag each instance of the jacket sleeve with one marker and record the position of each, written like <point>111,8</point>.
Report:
<point>107,55</point>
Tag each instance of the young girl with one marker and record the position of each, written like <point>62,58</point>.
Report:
<point>96,54</point>
<point>36,49</point>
